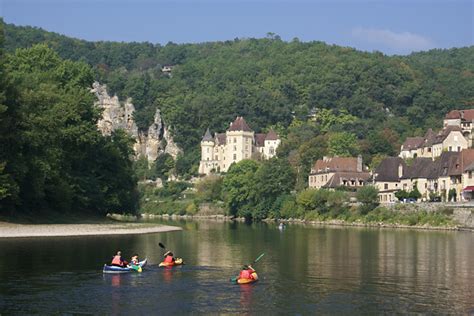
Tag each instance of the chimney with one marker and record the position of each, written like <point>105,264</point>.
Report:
<point>359,163</point>
<point>400,170</point>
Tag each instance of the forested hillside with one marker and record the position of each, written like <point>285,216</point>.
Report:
<point>52,157</point>
<point>322,99</point>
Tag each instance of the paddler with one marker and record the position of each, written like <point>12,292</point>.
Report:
<point>168,257</point>
<point>247,272</point>
<point>118,261</point>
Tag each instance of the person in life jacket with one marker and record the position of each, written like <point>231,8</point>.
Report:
<point>168,257</point>
<point>247,272</point>
<point>118,261</point>
<point>134,260</point>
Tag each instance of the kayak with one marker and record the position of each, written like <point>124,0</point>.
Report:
<point>238,280</point>
<point>128,269</point>
<point>176,262</point>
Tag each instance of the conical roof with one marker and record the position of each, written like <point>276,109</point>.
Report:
<point>239,125</point>
<point>207,137</point>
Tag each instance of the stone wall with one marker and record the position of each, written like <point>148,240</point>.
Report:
<point>462,213</point>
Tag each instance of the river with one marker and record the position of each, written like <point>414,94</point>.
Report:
<point>305,270</point>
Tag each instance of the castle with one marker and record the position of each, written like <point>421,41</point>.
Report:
<point>237,143</point>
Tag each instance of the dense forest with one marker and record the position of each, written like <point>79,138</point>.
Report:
<point>322,99</point>
<point>52,157</point>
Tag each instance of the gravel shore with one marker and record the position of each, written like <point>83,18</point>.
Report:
<point>8,230</point>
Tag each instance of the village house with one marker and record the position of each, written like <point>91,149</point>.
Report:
<point>239,142</point>
<point>463,119</point>
<point>450,172</point>
<point>334,172</point>
<point>386,178</point>
<point>432,145</point>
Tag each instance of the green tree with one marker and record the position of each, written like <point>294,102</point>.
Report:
<point>368,197</point>
<point>343,144</point>
<point>238,187</point>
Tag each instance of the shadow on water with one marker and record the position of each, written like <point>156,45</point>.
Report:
<point>304,270</point>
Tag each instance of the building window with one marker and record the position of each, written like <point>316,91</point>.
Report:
<point>469,174</point>
<point>459,148</point>
<point>385,186</point>
<point>235,148</point>
<point>235,139</point>
<point>235,157</point>
<point>246,156</point>
<point>216,158</point>
<point>450,148</point>
<point>271,151</point>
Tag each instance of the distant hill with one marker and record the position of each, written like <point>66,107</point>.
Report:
<point>271,82</point>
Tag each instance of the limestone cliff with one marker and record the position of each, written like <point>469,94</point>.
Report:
<point>150,143</point>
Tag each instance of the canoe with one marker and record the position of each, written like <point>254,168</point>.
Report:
<point>177,262</point>
<point>238,280</point>
<point>115,269</point>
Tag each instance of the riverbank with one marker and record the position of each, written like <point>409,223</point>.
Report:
<point>328,222</point>
<point>9,230</point>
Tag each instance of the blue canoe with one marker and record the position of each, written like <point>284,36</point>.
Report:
<point>115,269</point>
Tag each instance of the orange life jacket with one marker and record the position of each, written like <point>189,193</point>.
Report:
<point>169,259</point>
<point>117,261</point>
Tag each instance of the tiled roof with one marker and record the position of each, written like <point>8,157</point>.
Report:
<point>413,143</point>
<point>260,140</point>
<point>272,135</point>
<point>221,138</point>
<point>387,170</point>
<point>207,137</point>
<point>466,115</point>
<point>467,158</point>
<point>337,179</point>
<point>335,164</point>
<point>444,133</point>
<point>239,125</point>
<point>420,168</point>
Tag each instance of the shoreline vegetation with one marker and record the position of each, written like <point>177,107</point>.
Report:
<point>11,230</point>
<point>322,222</point>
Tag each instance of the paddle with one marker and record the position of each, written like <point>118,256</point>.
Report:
<point>234,279</point>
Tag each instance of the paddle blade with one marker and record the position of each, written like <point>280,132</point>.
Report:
<point>161,245</point>
<point>139,269</point>
<point>259,257</point>
<point>234,279</point>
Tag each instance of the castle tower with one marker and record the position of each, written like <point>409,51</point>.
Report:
<point>207,162</point>
<point>239,142</point>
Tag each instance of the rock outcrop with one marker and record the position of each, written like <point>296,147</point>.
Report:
<point>151,143</point>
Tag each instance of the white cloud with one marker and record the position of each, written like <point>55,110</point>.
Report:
<point>401,42</point>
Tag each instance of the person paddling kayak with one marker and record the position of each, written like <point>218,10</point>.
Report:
<point>247,275</point>
<point>169,259</point>
<point>118,261</point>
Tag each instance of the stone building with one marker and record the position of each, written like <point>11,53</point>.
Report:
<point>334,172</point>
<point>239,142</point>
<point>451,171</point>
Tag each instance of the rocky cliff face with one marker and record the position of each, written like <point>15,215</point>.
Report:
<point>151,143</point>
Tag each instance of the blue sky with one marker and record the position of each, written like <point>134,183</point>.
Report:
<point>393,27</point>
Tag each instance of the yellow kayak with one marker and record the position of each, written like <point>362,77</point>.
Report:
<point>176,262</point>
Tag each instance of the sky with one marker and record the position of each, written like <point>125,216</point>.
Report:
<point>392,27</point>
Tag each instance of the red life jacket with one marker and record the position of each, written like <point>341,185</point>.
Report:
<point>246,274</point>
<point>168,259</point>
<point>117,261</point>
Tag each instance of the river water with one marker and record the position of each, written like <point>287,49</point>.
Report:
<point>305,270</point>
